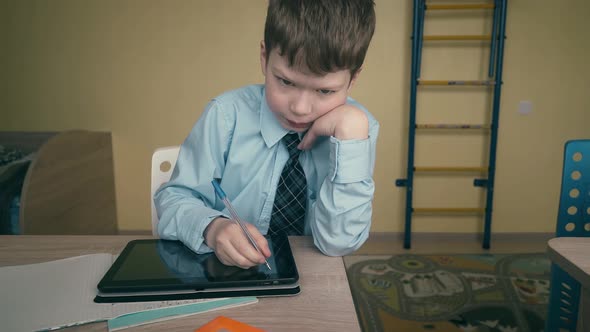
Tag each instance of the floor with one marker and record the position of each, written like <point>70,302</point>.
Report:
<point>454,243</point>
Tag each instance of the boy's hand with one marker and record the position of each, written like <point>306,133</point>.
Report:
<point>343,122</point>
<point>231,245</point>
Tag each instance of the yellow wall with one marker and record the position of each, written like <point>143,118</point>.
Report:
<point>145,69</point>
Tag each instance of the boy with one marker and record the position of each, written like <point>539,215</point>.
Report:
<point>248,138</point>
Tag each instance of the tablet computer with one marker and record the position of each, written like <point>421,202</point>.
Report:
<point>155,270</point>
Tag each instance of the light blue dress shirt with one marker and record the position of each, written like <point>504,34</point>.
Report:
<point>237,140</point>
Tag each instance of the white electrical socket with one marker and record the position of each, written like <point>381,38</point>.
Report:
<point>525,107</point>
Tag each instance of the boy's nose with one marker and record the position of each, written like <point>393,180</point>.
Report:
<point>300,104</point>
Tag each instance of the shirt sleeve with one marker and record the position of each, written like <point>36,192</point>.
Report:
<point>343,209</point>
<point>185,204</point>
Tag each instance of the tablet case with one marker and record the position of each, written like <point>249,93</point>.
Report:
<point>105,298</point>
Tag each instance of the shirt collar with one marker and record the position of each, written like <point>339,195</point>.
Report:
<point>270,127</point>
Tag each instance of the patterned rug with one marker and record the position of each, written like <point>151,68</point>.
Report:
<point>477,292</point>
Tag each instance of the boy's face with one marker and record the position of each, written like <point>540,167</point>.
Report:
<point>298,97</point>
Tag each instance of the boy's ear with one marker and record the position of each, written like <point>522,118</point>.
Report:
<point>353,78</point>
<point>263,58</point>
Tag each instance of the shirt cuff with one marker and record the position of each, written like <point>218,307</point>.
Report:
<point>350,160</point>
<point>199,245</point>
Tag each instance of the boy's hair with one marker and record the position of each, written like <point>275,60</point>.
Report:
<point>324,35</point>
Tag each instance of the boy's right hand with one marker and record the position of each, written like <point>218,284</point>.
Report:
<point>231,245</point>
<point>344,122</point>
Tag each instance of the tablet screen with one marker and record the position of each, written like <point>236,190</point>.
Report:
<point>163,264</point>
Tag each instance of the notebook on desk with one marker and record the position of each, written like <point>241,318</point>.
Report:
<point>155,270</point>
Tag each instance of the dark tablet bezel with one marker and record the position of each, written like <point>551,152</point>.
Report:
<point>108,285</point>
<point>223,292</point>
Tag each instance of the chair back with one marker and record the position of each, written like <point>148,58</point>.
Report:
<point>163,162</point>
<point>573,220</point>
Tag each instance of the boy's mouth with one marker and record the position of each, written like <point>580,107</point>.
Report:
<point>297,124</point>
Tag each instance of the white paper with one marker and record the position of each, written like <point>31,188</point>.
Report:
<point>60,293</point>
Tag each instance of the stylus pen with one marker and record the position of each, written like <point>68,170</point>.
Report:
<point>221,194</point>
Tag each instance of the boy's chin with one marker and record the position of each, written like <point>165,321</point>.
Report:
<point>297,129</point>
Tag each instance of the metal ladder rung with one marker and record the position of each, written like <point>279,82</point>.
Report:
<point>458,37</point>
<point>443,82</point>
<point>459,6</point>
<point>448,210</point>
<point>452,126</point>
<point>458,169</point>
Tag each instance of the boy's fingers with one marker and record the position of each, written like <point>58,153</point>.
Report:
<point>224,255</point>
<point>235,249</point>
<point>260,240</point>
<point>307,140</point>
<point>263,246</point>
<point>234,257</point>
<point>243,253</point>
<point>246,248</point>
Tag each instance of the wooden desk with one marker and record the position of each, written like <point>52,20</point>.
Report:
<point>572,254</point>
<point>325,302</point>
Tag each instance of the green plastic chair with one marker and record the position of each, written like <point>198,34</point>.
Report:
<point>573,220</point>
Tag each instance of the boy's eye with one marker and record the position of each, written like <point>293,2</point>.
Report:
<point>285,82</point>
<point>326,92</point>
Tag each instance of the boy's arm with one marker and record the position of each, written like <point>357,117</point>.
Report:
<point>341,218</point>
<point>185,204</point>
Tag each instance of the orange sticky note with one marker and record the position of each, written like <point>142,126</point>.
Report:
<point>222,323</point>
